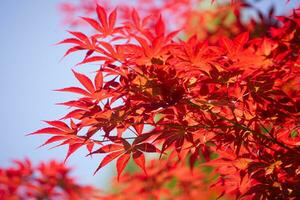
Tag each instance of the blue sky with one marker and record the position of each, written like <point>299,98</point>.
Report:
<point>30,70</point>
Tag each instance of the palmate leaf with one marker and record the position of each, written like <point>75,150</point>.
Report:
<point>92,90</point>
<point>122,150</point>
<point>85,81</point>
<point>107,24</point>
<point>66,135</point>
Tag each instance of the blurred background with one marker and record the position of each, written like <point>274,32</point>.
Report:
<point>31,69</point>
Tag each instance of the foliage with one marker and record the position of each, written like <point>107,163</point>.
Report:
<point>173,181</point>
<point>188,84</point>
<point>45,181</point>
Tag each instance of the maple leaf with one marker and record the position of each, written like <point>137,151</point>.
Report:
<point>122,149</point>
<point>92,90</point>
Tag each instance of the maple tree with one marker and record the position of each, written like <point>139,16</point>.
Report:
<point>197,88</point>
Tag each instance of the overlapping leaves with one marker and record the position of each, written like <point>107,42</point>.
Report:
<point>190,98</point>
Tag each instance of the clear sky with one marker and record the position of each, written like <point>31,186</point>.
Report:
<point>30,70</point>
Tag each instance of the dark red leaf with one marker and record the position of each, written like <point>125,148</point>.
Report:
<point>147,147</point>
<point>139,159</point>
<point>122,162</point>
